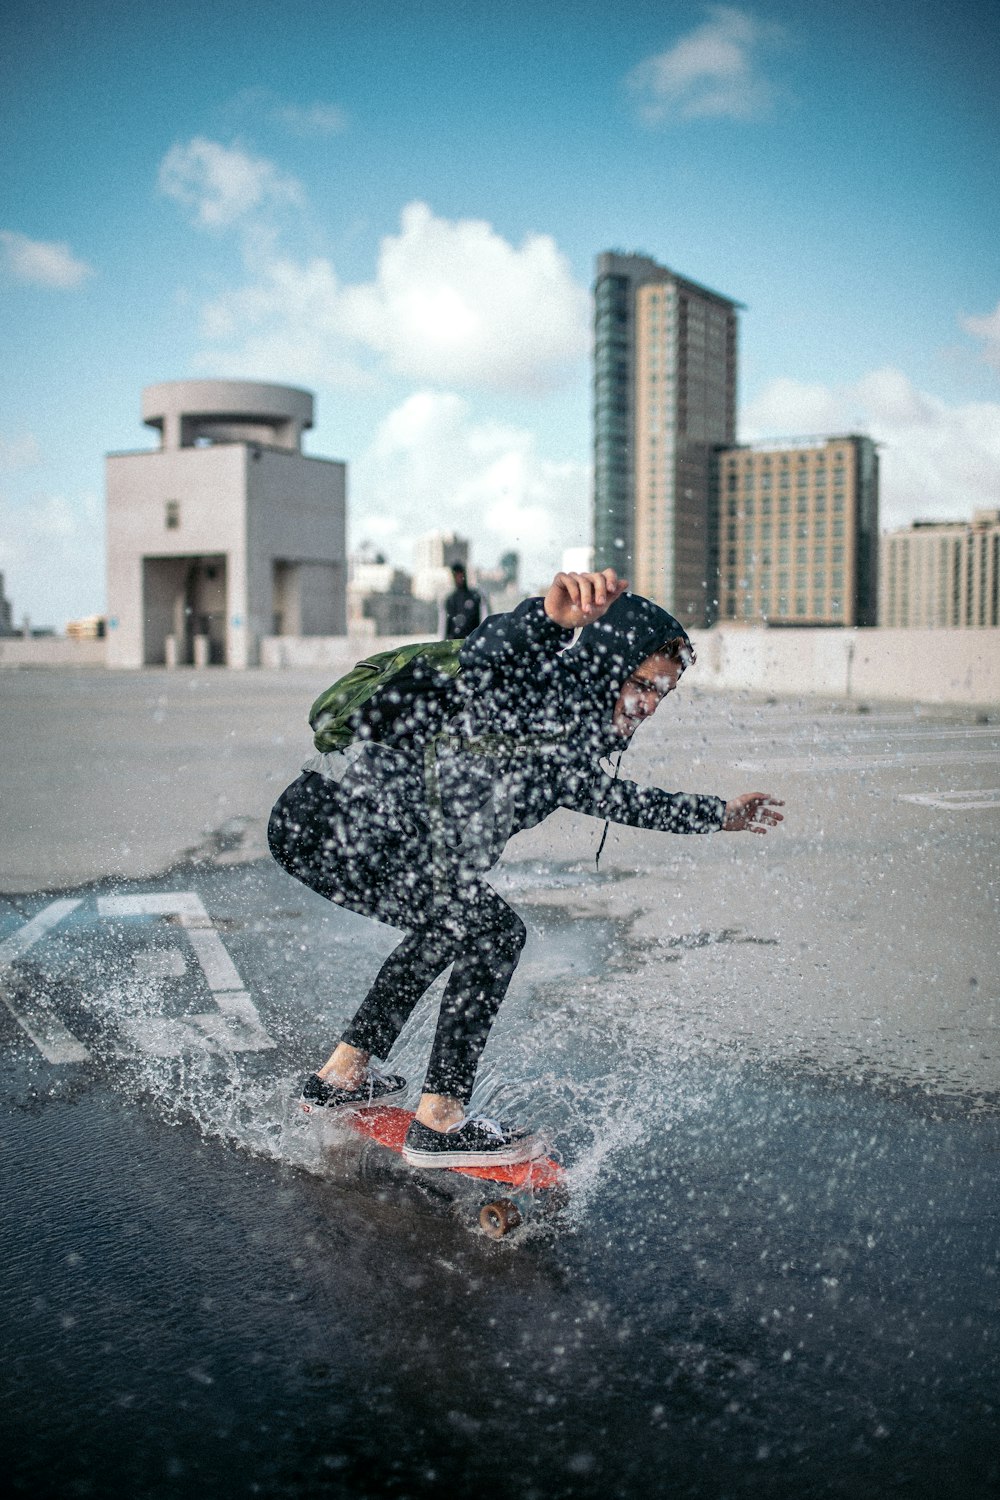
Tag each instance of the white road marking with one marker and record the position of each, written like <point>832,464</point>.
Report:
<point>958,801</point>
<point>55,1042</point>
<point>235,1026</point>
<point>25,937</point>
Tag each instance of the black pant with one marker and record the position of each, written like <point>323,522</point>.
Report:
<point>342,848</point>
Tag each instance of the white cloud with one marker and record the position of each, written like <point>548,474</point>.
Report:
<point>263,105</point>
<point>432,465</point>
<point>285,325</point>
<point>42,262</point>
<point>452,303</point>
<point>937,462</point>
<point>711,73</point>
<point>987,328</point>
<point>311,119</point>
<point>223,185</point>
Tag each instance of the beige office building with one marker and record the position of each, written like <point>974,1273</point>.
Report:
<point>942,573</point>
<point>226,533</point>
<point>798,532</point>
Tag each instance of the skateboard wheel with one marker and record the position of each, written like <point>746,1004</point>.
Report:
<point>499,1218</point>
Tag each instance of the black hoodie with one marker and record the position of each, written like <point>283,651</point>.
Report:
<point>525,733</point>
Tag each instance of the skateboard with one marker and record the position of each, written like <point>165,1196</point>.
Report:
<point>531,1187</point>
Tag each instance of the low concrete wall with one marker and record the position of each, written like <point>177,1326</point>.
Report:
<point>334,653</point>
<point>914,666</point>
<point>52,651</point>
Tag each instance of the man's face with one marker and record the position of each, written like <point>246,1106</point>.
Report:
<point>644,691</point>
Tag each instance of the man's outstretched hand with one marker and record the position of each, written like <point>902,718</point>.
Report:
<point>581,598</point>
<point>754,812</point>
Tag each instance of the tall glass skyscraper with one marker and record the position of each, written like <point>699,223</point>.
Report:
<point>664,400</point>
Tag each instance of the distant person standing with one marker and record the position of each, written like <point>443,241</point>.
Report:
<point>463,608</point>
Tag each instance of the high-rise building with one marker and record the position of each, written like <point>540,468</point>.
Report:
<point>942,573</point>
<point>664,401</point>
<point>798,531</point>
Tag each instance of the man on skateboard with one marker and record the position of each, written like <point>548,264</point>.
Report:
<point>404,828</point>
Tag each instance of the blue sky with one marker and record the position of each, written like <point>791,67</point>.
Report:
<point>398,206</point>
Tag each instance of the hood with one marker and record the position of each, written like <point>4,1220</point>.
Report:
<point>606,653</point>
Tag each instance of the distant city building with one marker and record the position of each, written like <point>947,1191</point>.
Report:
<point>227,532</point>
<point>433,556</point>
<point>798,531</point>
<point>501,586</point>
<point>6,612</point>
<point>664,401</point>
<point>942,573</point>
<point>90,628</point>
<point>381,602</point>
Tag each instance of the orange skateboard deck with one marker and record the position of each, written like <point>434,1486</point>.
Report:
<point>386,1125</point>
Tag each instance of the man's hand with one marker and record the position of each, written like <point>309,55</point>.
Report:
<point>581,598</point>
<point>754,812</point>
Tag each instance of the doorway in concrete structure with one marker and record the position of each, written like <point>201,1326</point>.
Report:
<point>184,611</point>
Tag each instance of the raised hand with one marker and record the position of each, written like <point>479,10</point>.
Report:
<point>581,598</point>
<point>754,812</point>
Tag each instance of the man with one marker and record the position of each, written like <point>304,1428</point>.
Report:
<point>405,828</point>
<point>463,608</point>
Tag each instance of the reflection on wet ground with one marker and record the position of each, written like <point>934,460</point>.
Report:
<point>792,1291</point>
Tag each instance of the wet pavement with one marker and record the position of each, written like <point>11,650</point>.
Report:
<point>770,1065</point>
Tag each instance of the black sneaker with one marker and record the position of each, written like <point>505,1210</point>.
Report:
<point>318,1094</point>
<point>472,1143</point>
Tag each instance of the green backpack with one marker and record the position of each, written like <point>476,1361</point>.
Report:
<point>357,705</point>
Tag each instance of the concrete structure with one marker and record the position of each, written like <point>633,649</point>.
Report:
<point>940,573</point>
<point>664,401</point>
<point>798,531</point>
<point>225,534</point>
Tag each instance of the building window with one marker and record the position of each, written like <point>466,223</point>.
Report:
<point>172,515</point>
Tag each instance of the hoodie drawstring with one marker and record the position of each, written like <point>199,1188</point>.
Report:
<point>607,821</point>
